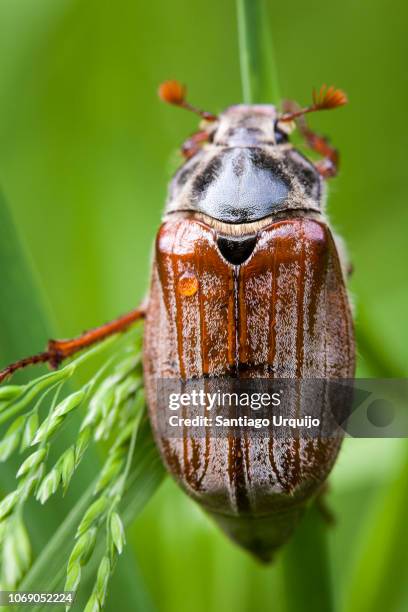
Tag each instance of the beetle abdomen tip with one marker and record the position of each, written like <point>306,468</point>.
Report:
<point>260,536</point>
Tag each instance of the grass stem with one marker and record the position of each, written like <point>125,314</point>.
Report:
<point>305,561</point>
<point>306,566</point>
<point>258,68</point>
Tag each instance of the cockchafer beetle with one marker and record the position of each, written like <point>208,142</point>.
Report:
<point>247,281</point>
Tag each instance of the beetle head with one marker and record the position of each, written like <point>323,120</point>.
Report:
<point>248,125</point>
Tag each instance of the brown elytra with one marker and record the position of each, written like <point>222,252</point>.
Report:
<point>283,313</point>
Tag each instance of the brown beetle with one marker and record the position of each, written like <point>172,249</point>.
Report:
<point>247,283</point>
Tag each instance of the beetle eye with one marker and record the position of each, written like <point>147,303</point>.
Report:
<point>280,137</point>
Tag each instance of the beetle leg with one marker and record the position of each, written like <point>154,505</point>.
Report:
<point>58,350</point>
<point>328,166</point>
<point>346,265</point>
<point>192,145</point>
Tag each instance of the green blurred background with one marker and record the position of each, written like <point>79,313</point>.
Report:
<point>86,151</point>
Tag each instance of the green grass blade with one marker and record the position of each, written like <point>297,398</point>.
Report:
<point>258,68</point>
<point>24,325</point>
<point>24,329</point>
<point>379,556</point>
<point>379,576</point>
<point>306,566</point>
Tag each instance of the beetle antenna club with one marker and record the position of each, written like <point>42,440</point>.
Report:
<point>173,92</point>
<point>324,99</point>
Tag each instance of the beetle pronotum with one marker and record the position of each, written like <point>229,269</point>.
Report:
<point>247,282</point>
